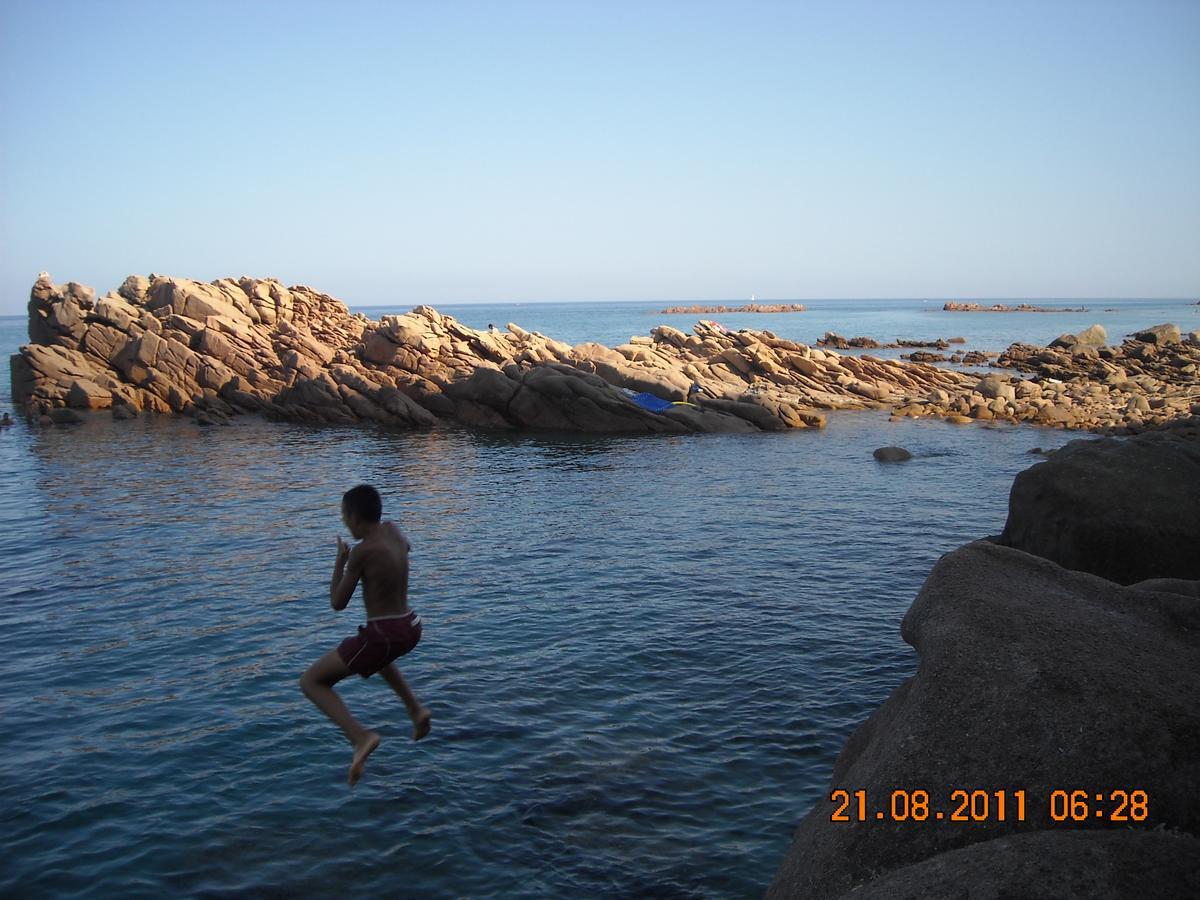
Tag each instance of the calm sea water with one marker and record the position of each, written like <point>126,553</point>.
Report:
<point>642,654</point>
<point>884,320</point>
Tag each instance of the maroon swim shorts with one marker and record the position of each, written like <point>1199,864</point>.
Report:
<point>379,642</point>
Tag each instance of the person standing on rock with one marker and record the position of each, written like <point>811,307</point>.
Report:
<point>380,560</point>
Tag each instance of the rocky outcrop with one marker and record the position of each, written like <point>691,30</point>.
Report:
<point>1043,680</point>
<point>1126,510</point>
<point>253,345</point>
<point>213,350</point>
<point>1145,382</point>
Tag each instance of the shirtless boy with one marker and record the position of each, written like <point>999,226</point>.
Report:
<point>380,559</point>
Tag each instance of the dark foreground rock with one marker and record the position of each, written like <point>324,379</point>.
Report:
<point>1126,509</point>
<point>1046,865</point>
<point>1031,678</point>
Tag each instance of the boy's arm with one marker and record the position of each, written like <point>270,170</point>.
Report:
<point>346,572</point>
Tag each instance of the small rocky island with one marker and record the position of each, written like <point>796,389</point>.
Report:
<point>1060,660</point>
<point>216,350</point>
<point>747,308</point>
<point>959,306</point>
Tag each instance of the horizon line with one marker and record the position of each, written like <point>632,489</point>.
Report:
<point>775,300</point>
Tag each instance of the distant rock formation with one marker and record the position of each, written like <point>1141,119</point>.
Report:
<point>954,306</point>
<point>722,308</point>
<point>837,342</point>
<point>214,350</point>
<point>1043,680</point>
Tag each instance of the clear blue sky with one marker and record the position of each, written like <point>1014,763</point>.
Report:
<point>441,152</point>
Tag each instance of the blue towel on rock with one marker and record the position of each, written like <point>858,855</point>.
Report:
<point>650,402</point>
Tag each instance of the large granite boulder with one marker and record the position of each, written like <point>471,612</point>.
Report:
<point>1031,678</point>
<point>1093,336</point>
<point>1126,509</point>
<point>1159,334</point>
<point>993,387</point>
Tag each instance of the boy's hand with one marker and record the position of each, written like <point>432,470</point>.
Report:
<point>343,551</point>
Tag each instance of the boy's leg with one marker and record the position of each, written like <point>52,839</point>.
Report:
<point>420,716</point>
<point>317,683</point>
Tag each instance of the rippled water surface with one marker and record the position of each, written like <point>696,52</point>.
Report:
<point>642,654</point>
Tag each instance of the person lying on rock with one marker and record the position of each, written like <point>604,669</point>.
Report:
<point>380,560</point>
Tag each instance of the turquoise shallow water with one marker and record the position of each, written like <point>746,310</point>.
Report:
<point>642,654</point>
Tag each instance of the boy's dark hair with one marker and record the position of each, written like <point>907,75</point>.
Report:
<point>363,501</point>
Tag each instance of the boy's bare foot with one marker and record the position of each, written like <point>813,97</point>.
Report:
<point>362,750</point>
<point>421,723</point>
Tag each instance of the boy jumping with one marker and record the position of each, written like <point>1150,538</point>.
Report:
<point>380,559</point>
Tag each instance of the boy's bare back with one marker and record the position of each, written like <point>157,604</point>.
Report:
<point>381,559</point>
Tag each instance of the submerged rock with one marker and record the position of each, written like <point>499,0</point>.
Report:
<point>891,454</point>
<point>65,417</point>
